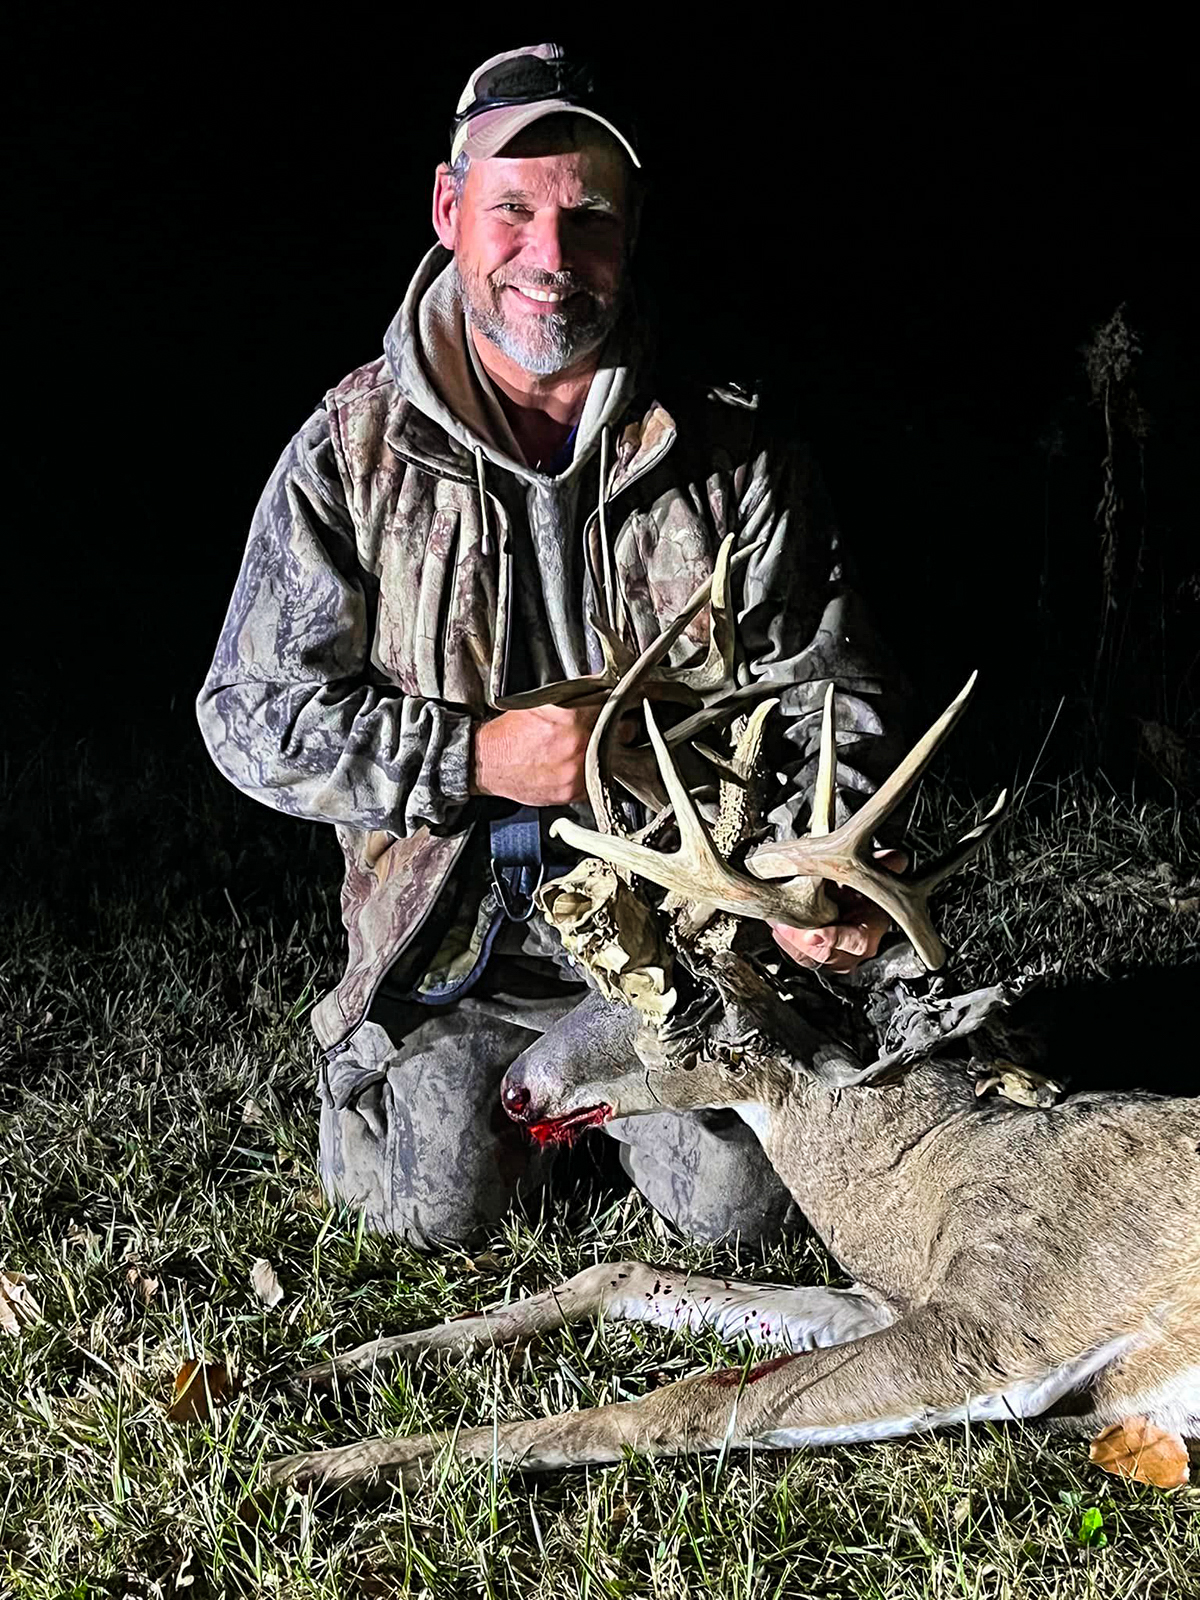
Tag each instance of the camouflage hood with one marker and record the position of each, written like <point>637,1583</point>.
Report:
<point>435,367</point>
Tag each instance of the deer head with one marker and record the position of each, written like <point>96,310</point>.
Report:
<point>704,1024</point>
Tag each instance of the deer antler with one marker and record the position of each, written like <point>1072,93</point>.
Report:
<point>688,683</point>
<point>716,671</point>
<point>842,856</point>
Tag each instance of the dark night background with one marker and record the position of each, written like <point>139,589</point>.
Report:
<point>908,228</point>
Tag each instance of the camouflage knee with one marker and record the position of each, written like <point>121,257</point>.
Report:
<point>413,1133</point>
<point>706,1172</point>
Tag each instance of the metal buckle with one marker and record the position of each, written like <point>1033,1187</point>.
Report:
<point>502,893</point>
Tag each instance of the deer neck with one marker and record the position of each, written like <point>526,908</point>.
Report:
<point>853,1160</point>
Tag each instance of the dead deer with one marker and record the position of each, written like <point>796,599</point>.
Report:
<point>1008,1261</point>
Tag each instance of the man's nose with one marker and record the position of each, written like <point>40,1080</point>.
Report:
<point>544,244</point>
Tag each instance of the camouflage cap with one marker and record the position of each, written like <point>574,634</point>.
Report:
<point>512,90</point>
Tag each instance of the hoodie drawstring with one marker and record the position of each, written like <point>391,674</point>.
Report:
<point>610,597</point>
<point>608,601</point>
<point>483,511</point>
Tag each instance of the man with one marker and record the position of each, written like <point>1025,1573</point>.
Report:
<point>435,537</point>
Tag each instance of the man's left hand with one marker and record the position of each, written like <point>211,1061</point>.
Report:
<point>856,935</point>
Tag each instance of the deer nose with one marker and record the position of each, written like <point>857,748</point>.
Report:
<point>515,1099</point>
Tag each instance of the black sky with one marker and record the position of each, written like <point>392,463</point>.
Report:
<point>910,225</point>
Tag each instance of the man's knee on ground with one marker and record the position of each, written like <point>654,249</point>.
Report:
<point>706,1173</point>
<point>422,1148</point>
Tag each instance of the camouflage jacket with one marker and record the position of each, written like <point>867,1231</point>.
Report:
<point>402,544</point>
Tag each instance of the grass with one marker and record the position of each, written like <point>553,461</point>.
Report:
<point>162,941</point>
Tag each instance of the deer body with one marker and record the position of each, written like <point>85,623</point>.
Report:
<point>1009,1261</point>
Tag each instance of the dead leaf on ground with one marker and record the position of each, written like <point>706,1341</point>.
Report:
<point>1135,1448</point>
<point>146,1287</point>
<point>487,1262</point>
<point>266,1285</point>
<point>200,1387</point>
<point>17,1305</point>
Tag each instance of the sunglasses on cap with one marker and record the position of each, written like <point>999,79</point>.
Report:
<point>525,81</point>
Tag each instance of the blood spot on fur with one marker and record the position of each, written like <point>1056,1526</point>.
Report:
<point>730,1377</point>
<point>765,1367</point>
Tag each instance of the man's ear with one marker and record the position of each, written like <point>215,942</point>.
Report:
<point>445,207</point>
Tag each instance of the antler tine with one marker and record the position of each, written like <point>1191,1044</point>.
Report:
<point>695,869</point>
<point>748,741</point>
<point>637,675</point>
<point>618,658</point>
<point>821,821</point>
<point>782,859</point>
<point>735,704</point>
<point>718,665</point>
<point>906,899</point>
<point>958,855</point>
<point>888,796</point>
<point>843,856</point>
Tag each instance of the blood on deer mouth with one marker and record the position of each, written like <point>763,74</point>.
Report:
<point>565,1130</point>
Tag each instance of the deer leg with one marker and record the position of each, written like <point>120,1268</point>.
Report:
<point>761,1313</point>
<point>585,1295</point>
<point>630,1291</point>
<point>929,1370</point>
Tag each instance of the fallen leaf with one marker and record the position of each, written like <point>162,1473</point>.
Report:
<point>1135,1448</point>
<point>266,1285</point>
<point>146,1287</point>
<point>200,1387</point>
<point>17,1305</point>
<point>487,1262</point>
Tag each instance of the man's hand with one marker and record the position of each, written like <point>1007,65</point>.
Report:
<point>855,937</point>
<point>536,757</point>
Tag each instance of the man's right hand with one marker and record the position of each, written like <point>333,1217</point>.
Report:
<point>536,757</point>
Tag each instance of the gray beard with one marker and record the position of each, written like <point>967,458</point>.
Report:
<point>541,346</point>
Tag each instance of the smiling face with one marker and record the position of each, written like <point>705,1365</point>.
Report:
<point>542,236</point>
